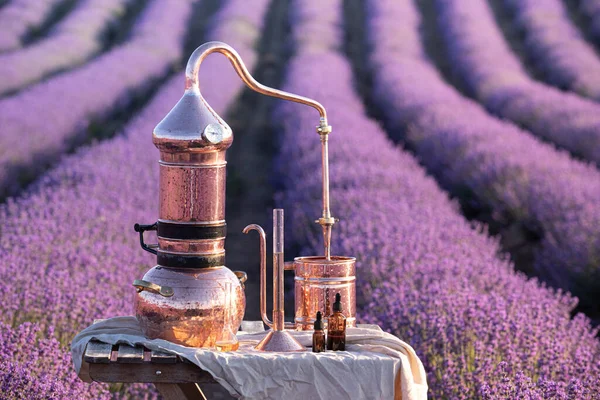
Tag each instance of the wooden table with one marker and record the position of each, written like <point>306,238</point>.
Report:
<point>174,377</point>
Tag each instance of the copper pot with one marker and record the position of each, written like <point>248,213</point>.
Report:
<point>187,306</point>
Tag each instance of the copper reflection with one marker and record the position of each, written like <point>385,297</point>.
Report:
<point>192,193</point>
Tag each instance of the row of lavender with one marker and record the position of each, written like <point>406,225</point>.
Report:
<point>504,167</point>
<point>557,48</point>
<point>39,123</point>
<point>68,247</point>
<point>492,73</point>
<point>591,10</point>
<point>71,42</point>
<point>20,16</point>
<point>423,272</point>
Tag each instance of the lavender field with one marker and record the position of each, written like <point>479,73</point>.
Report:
<point>464,157</point>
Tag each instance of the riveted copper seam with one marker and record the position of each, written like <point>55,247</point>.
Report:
<point>197,223</point>
<point>187,253</point>
<point>195,157</point>
<point>207,246</point>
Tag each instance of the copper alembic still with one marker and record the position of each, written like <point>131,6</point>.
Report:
<point>190,297</point>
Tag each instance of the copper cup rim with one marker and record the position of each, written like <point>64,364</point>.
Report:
<point>322,260</point>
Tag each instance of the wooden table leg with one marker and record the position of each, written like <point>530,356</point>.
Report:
<point>180,391</point>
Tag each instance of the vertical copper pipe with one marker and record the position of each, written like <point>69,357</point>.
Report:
<point>326,221</point>
<point>326,211</point>
<point>278,267</point>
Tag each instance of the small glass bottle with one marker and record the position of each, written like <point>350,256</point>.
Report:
<point>336,327</point>
<point>318,344</point>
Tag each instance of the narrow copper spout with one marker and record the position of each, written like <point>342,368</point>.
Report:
<point>323,129</point>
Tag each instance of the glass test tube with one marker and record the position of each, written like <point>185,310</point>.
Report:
<point>278,267</point>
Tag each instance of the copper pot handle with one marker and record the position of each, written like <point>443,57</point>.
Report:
<point>242,277</point>
<point>141,285</point>
<point>289,266</point>
<point>151,248</point>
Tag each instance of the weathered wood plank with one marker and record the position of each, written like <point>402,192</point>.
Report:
<point>97,352</point>
<point>186,391</point>
<point>149,372</point>
<point>84,372</point>
<point>127,354</point>
<point>161,357</point>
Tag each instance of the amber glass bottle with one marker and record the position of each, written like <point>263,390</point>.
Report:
<point>336,327</point>
<point>318,336</point>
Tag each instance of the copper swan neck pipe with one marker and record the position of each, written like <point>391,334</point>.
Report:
<point>193,66</point>
<point>323,129</point>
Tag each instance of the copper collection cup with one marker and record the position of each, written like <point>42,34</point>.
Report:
<point>316,282</point>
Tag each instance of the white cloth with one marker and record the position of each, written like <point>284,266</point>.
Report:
<point>376,365</point>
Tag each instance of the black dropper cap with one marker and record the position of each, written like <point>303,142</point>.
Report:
<point>319,322</point>
<point>337,306</point>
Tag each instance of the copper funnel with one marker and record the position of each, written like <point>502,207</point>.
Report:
<point>280,341</point>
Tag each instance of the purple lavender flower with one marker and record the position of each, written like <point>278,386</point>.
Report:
<point>557,48</point>
<point>36,127</point>
<point>591,9</point>
<point>504,166</point>
<point>35,367</point>
<point>493,74</point>
<point>71,42</point>
<point>18,16</point>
